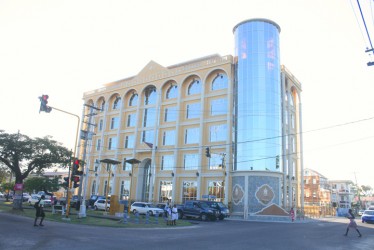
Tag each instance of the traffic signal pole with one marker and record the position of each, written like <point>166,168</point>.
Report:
<point>72,162</point>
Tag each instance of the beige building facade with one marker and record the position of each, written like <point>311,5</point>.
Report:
<point>180,132</point>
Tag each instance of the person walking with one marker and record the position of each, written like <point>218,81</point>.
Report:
<point>292,214</point>
<point>352,223</point>
<point>39,206</point>
<point>174,215</point>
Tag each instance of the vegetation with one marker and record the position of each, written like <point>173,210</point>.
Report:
<point>23,155</point>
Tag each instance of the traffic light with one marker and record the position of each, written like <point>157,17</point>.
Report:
<point>76,180</point>
<point>66,183</point>
<point>43,104</point>
<point>207,152</point>
<point>75,167</point>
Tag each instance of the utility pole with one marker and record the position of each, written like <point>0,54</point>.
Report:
<point>86,135</point>
<point>358,192</point>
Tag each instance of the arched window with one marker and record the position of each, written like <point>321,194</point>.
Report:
<point>220,82</point>
<point>194,88</point>
<point>292,103</point>
<point>150,96</point>
<point>117,102</point>
<point>172,92</point>
<point>134,99</point>
<point>102,105</point>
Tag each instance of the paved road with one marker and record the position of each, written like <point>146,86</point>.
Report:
<point>18,233</point>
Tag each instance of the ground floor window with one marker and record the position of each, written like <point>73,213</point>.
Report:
<point>125,190</point>
<point>189,190</point>
<point>93,189</point>
<point>166,191</point>
<point>217,189</point>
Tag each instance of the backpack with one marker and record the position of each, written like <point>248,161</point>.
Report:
<point>36,204</point>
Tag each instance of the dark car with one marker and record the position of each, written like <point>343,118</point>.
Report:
<point>223,210</point>
<point>93,199</point>
<point>198,209</point>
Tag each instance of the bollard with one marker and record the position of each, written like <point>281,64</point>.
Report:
<point>125,217</point>
<point>137,217</point>
<point>147,218</point>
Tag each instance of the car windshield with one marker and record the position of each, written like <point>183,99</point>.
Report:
<point>369,212</point>
<point>204,205</point>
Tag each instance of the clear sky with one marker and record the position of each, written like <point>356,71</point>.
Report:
<point>64,48</point>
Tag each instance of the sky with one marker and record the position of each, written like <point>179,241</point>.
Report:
<point>65,48</point>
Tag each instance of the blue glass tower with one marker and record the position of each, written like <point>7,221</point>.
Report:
<point>258,133</point>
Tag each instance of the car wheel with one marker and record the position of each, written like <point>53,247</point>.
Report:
<point>150,212</point>
<point>134,211</point>
<point>96,208</point>
<point>180,215</point>
<point>204,217</point>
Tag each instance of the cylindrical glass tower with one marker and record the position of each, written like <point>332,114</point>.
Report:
<point>258,132</point>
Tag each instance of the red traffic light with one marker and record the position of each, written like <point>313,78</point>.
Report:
<point>43,104</point>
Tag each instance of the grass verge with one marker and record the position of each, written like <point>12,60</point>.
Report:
<point>93,218</point>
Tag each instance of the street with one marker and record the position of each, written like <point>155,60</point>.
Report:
<point>18,233</point>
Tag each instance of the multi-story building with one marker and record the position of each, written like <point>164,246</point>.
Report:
<point>224,126</point>
<point>341,195</point>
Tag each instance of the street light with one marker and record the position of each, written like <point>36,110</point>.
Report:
<point>132,162</point>
<point>108,162</point>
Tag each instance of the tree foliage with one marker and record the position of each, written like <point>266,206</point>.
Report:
<point>36,184</point>
<point>22,154</point>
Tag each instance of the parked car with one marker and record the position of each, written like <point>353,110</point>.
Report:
<point>361,212</point>
<point>100,204</point>
<point>368,216</point>
<point>198,209</point>
<point>1,195</point>
<point>145,207</point>
<point>224,212</point>
<point>25,197</point>
<point>35,198</point>
<point>93,199</point>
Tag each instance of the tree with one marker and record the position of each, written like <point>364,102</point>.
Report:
<point>22,154</point>
<point>8,187</point>
<point>366,190</point>
<point>41,184</point>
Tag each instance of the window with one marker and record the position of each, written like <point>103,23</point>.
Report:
<point>96,165</point>
<point>307,181</point>
<point>126,166</point>
<point>112,145</point>
<point>101,125</point>
<point>131,120</point>
<point>148,136</point>
<point>217,188</point>
<point>193,110</point>
<point>133,100</point>
<point>149,119</point>
<point>189,190</point>
<point>192,135</point>
<point>114,123</point>
<point>172,92</point>
<point>168,138</point>
<point>220,82</point>
<point>98,145</point>
<point>167,162</point>
<point>194,87</point>
<point>125,189</point>
<point>292,121</point>
<point>170,114</point>
<point>218,132</point>
<point>215,161</point>
<point>218,106</point>
<point>191,161</point>
<point>129,141</point>
<point>150,96</point>
<point>166,191</point>
<point>102,105</point>
<point>314,181</point>
<point>117,103</point>
<point>93,188</point>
